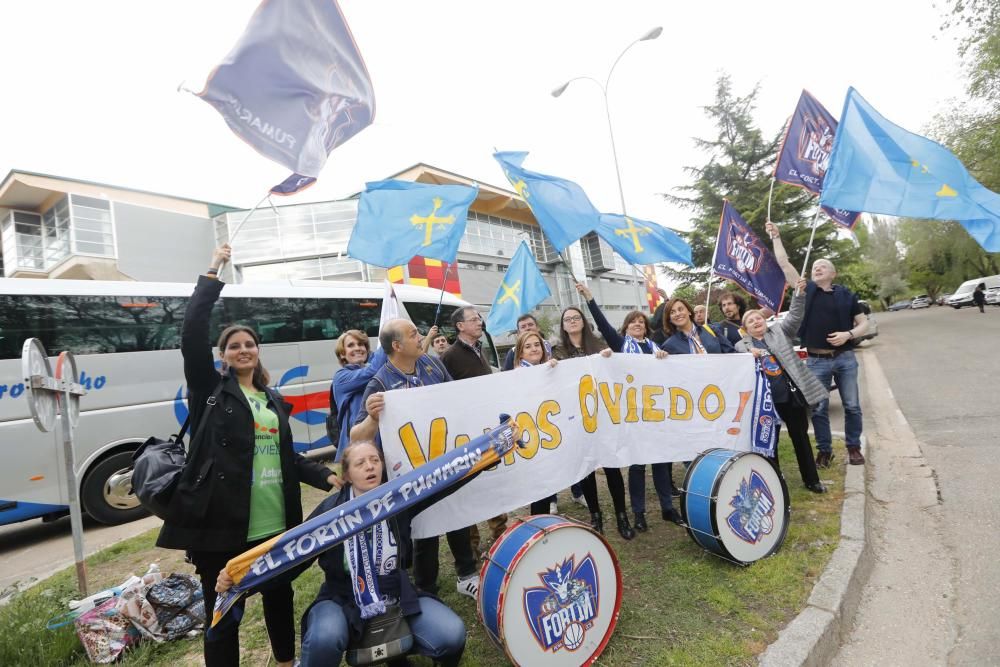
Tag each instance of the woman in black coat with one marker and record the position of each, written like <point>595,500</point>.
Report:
<point>338,614</point>
<point>240,486</point>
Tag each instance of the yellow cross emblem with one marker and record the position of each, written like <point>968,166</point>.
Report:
<point>945,191</point>
<point>510,293</point>
<point>520,187</point>
<point>634,232</point>
<point>430,220</point>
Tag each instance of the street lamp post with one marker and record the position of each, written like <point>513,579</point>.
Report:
<point>652,34</point>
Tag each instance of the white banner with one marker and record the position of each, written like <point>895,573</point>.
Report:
<point>581,415</point>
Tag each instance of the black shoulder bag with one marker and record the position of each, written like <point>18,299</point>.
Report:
<point>157,465</point>
<point>385,636</point>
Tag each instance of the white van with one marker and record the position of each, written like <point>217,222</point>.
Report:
<point>963,295</point>
<point>126,339</point>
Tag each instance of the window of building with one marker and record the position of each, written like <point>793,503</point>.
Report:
<point>494,236</point>
<point>93,226</point>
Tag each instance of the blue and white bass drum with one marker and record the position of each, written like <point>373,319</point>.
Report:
<point>735,505</point>
<point>550,592</point>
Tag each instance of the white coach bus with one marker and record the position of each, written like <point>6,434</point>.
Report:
<point>126,339</point>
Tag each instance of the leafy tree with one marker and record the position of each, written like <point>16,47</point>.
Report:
<point>740,163</point>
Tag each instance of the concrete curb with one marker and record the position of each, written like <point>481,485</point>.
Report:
<point>814,636</point>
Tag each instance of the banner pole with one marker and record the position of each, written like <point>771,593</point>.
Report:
<point>812,235</point>
<point>437,312</point>
<point>239,226</point>
<point>770,192</point>
<point>708,296</point>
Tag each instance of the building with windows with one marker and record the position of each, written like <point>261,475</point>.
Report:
<point>56,227</point>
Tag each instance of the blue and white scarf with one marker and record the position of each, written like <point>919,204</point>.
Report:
<point>365,556</point>
<point>765,420</point>
<point>524,363</point>
<point>632,346</point>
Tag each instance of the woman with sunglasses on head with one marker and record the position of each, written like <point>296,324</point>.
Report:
<point>357,367</point>
<point>686,337</point>
<point>632,338</point>
<point>240,486</point>
<point>576,339</point>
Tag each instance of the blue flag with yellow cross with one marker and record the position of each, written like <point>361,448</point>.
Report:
<point>642,242</point>
<point>878,167</point>
<point>398,220</point>
<point>561,207</point>
<point>521,289</point>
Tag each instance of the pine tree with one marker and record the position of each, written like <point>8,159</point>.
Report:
<point>741,161</point>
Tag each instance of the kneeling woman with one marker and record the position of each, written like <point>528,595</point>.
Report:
<point>379,556</point>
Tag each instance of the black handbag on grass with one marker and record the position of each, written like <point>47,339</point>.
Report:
<point>158,464</point>
<point>385,636</point>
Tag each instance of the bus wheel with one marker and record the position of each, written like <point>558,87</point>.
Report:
<point>107,491</point>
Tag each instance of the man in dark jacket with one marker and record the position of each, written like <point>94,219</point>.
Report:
<point>733,306</point>
<point>464,360</point>
<point>409,367</point>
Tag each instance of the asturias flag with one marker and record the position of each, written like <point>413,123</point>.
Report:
<point>805,153</point>
<point>879,167</point>
<point>294,87</point>
<point>641,242</point>
<point>521,289</point>
<point>561,207</point>
<point>741,257</point>
<point>398,220</point>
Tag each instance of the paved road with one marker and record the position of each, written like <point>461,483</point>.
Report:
<point>937,572</point>
<point>33,550</point>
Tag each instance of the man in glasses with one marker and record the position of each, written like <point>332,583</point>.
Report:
<point>465,359</point>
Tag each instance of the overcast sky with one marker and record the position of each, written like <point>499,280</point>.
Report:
<point>90,87</point>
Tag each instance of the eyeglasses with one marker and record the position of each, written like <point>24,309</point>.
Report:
<point>570,320</point>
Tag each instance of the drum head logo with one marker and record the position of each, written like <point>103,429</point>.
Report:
<point>561,611</point>
<point>753,516</point>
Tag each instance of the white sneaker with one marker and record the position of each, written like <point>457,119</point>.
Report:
<point>579,500</point>
<point>553,508</point>
<point>469,586</point>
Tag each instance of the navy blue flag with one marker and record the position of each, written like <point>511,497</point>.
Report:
<point>294,86</point>
<point>398,220</point>
<point>805,153</point>
<point>879,167</point>
<point>561,207</point>
<point>292,185</point>
<point>642,242</point>
<point>741,257</point>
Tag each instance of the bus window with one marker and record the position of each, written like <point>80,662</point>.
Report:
<point>296,320</point>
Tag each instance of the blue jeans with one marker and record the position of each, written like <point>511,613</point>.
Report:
<point>438,632</point>
<point>844,369</point>
<point>637,486</point>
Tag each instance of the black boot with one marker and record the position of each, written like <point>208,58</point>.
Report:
<point>624,527</point>
<point>640,522</point>
<point>597,522</point>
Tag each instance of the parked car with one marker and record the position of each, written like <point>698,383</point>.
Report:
<point>900,305</point>
<point>872,322</point>
<point>993,296</point>
<point>963,295</point>
<point>920,301</point>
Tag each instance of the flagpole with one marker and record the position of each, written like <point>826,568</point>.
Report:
<point>812,235</point>
<point>437,312</point>
<point>770,192</point>
<point>708,297</point>
<point>239,226</point>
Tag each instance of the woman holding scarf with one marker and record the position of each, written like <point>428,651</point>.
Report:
<point>793,386</point>
<point>577,340</point>
<point>367,573</point>
<point>631,338</point>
